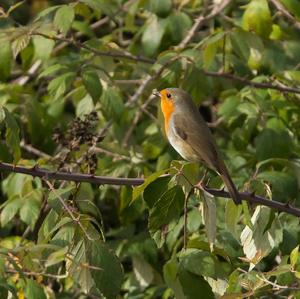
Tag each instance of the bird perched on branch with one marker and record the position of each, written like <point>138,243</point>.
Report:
<point>190,136</point>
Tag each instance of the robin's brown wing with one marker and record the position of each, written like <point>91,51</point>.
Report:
<point>195,132</point>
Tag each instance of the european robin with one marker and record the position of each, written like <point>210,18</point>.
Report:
<point>190,136</point>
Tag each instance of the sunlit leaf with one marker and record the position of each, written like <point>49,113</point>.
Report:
<point>152,35</point>
<point>6,60</point>
<point>257,17</point>
<point>12,135</point>
<point>64,17</point>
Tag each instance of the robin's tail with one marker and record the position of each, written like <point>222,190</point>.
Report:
<point>229,183</point>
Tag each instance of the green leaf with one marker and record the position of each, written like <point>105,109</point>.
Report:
<point>155,190</point>
<point>53,198</point>
<point>65,235</point>
<point>228,108</point>
<point>257,243</point>
<point>56,257</point>
<point>283,185</point>
<point>12,135</point>
<point>33,290</point>
<point>2,114</point>
<point>211,46</point>
<point>197,243</point>
<point>85,106</point>
<point>112,103</point>
<point>101,6</point>
<point>107,270</point>
<point>59,85</point>
<point>143,271</point>
<point>171,278</point>
<point>199,262</point>
<point>194,286</point>
<point>273,144</point>
<point>257,18</point>
<point>64,17</point>
<point>6,59</point>
<point>61,222</point>
<point>42,47</point>
<point>153,146</point>
<point>47,11</point>
<point>137,191</point>
<point>92,84</point>
<point>209,216</point>
<point>78,266</point>
<point>152,35</point>
<point>294,256</point>
<point>178,25</point>
<point>20,43</point>
<point>50,70</point>
<point>29,212</point>
<point>167,208</point>
<point>161,7</point>
<point>10,209</point>
<point>232,214</point>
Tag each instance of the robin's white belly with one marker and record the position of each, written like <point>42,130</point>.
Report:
<point>182,147</point>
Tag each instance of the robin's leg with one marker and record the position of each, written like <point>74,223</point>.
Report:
<point>202,181</point>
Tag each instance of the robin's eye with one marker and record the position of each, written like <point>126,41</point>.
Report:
<point>169,95</point>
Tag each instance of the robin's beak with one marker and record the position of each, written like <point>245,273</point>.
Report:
<point>156,93</point>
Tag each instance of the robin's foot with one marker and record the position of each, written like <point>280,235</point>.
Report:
<point>202,181</point>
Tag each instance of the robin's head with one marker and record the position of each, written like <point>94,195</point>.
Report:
<point>171,98</point>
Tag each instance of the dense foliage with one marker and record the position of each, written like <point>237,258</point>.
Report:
<point>76,96</point>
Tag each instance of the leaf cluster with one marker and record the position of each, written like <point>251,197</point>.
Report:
<point>76,79</point>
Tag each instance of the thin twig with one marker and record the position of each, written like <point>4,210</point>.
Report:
<point>110,154</point>
<point>199,22</point>
<point>81,45</point>
<point>79,177</point>
<point>32,150</point>
<point>66,207</point>
<point>94,26</point>
<point>136,120</point>
<point>280,7</point>
<point>34,68</point>
<point>31,273</point>
<point>261,85</point>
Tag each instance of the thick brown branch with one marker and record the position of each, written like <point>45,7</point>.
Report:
<point>103,180</point>
<point>75,177</point>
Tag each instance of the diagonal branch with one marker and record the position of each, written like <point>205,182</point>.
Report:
<point>81,45</point>
<point>199,22</point>
<point>103,180</point>
<point>280,7</point>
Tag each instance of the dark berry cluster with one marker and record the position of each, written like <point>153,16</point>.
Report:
<point>79,132</point>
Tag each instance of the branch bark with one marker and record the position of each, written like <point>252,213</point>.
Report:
<point>280,7</point>
<point>261,85</point>
<point>81,45</point>
<point>103,180</point>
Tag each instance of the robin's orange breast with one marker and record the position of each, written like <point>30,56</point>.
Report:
<point>167,108</point>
